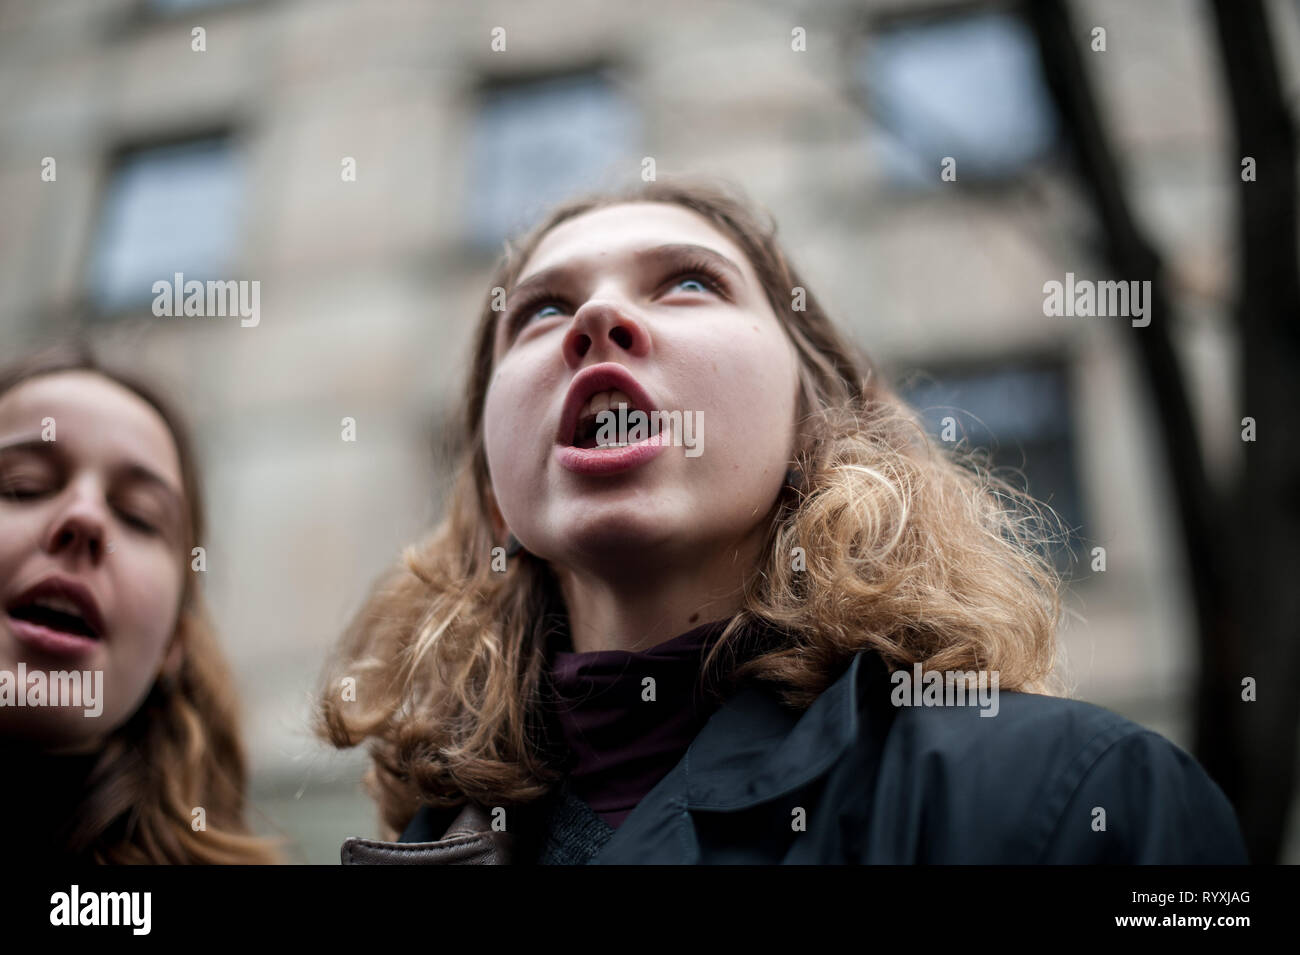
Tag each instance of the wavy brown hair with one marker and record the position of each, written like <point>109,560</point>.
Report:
<point>181,748</point>
<point>893,543</point>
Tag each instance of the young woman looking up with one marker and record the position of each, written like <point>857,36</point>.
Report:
<point>665,653</point>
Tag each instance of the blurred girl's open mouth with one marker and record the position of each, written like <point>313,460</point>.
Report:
<point>57,616</point>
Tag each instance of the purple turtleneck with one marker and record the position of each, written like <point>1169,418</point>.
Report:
<point>621,743</point>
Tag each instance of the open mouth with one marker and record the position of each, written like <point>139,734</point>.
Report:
<point>590,421</point>
<point>62,620</point>
<point>606,387</point>
<point>62,607</point>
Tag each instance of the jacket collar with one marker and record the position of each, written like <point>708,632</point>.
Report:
<point>754,749</point>
<point>751,751</point>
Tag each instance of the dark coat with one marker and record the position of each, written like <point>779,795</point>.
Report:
<point>855,779</point>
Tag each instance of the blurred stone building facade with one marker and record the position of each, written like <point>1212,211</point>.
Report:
<point>232,162</point>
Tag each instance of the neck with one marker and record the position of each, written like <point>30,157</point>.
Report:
<point>658,599</point>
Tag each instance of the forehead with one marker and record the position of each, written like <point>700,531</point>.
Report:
<point>94,418</point>
<point>613,232</point>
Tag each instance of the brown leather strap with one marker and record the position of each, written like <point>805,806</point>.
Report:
<point>469,840</point>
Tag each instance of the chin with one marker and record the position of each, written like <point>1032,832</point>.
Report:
<point>614,538</point>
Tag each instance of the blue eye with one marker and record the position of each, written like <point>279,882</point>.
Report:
<point>703,274</point>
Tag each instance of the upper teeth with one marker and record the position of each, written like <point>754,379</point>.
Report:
<point>61,604</point>
<point>603,401</point>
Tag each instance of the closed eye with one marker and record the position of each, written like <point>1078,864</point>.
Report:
<point>137,522</point>
<point>18,491</point>
<point>25,475</point>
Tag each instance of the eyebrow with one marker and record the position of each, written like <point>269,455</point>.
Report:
<point>137,472</point>
<point>659,253</point>
<point>34,445</point>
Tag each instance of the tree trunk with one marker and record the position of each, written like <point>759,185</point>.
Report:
<point>1267,513</point>
<point>1201,516</point>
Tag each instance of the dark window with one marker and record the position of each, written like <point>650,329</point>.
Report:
<point>538,141</point>
<point>967,86</point>
<point>166,209</point>
<point>1020,414</point>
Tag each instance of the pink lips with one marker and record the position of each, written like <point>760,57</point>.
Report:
<point>53,642</point>
<point>603,377</point>
<point>58,642</point>
<point>609,460</point>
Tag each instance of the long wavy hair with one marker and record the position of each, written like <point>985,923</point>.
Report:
<point>891,542</point>
<point>181,748</point>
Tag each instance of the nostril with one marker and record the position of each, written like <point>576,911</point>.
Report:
<point>76,534</point>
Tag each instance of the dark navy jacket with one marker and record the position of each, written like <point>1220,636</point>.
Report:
<point>854,779</point>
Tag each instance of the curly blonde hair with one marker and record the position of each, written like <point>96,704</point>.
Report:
<point>894,543</point>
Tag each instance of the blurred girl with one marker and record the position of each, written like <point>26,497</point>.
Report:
<point>100,508</point>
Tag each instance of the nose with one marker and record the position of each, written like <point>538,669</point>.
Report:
<point>602,325</point>
<point>78,529</point>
